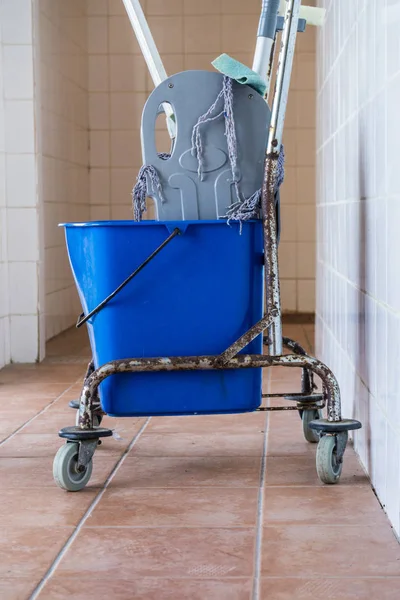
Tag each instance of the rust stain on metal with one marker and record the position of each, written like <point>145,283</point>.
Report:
<point>248,337</point>
<point>307,377</point>
<point>206,363</point>
<point>271,62</point>
<point>271,271</point>
<point>275,408</point>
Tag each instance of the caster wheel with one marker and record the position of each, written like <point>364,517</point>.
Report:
<point>328,468</point>
<point>307,416</point>
<point>65,469</point>
<point>97,419</point>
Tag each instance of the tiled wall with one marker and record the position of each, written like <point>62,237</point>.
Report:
<point>73,91</point>
<point>44,168</point>
<point>61,69</point>
<point>4,308</point>
<point>189,35</point>
<point>19,254</point>
<point>358,292</point>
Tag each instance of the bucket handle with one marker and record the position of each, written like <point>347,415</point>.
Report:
<point>82,318</point>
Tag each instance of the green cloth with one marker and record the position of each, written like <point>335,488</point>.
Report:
<point>235,70</point>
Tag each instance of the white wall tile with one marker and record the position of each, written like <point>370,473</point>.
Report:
<point>22,238</point>
<point>23,288</point>
<point>393,477</point>
<point>3,237</point>
<point>24,338</point>
<point>358,311</point>
<point>4,299</point>
<point>16,21</point>
<point>2,178</point>
<point>18,72</point>
<point>19,126</point>
<point>4,341</point>
<point>21,180</point>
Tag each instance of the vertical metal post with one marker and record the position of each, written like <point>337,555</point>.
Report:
<point>284,71</point>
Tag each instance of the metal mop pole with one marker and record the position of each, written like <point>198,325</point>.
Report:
<point>150,53</point>
<point>266,35</point>
<point>285,63</point>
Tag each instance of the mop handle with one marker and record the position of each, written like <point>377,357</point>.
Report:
<point>150,53</point>
<point>145,40</point>
<point>262,63</point>
<point>266,35</point>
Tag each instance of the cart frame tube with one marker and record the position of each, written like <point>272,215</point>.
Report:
<point>206,363</point>
<point>285,64</point>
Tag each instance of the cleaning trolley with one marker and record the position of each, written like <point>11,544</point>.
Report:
<point>176,308</point>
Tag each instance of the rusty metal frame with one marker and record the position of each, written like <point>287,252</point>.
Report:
<point>207,363</point>
<point>284,71</point>
<point>232,358</point>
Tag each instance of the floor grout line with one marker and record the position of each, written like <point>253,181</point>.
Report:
<point>9,437</point>
<point>82,521</point>
<point>260,511</point>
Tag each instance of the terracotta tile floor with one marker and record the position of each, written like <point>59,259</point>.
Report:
<point>181,508</point>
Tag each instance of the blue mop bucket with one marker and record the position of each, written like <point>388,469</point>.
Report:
<point>196,297</point>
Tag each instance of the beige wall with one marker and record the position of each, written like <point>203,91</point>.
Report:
<point>44,168</point>
<point>61,69</point>
<point>358,308</point>
<point>189,35</point>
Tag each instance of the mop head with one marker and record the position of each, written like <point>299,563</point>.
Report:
<point>235,70</point>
